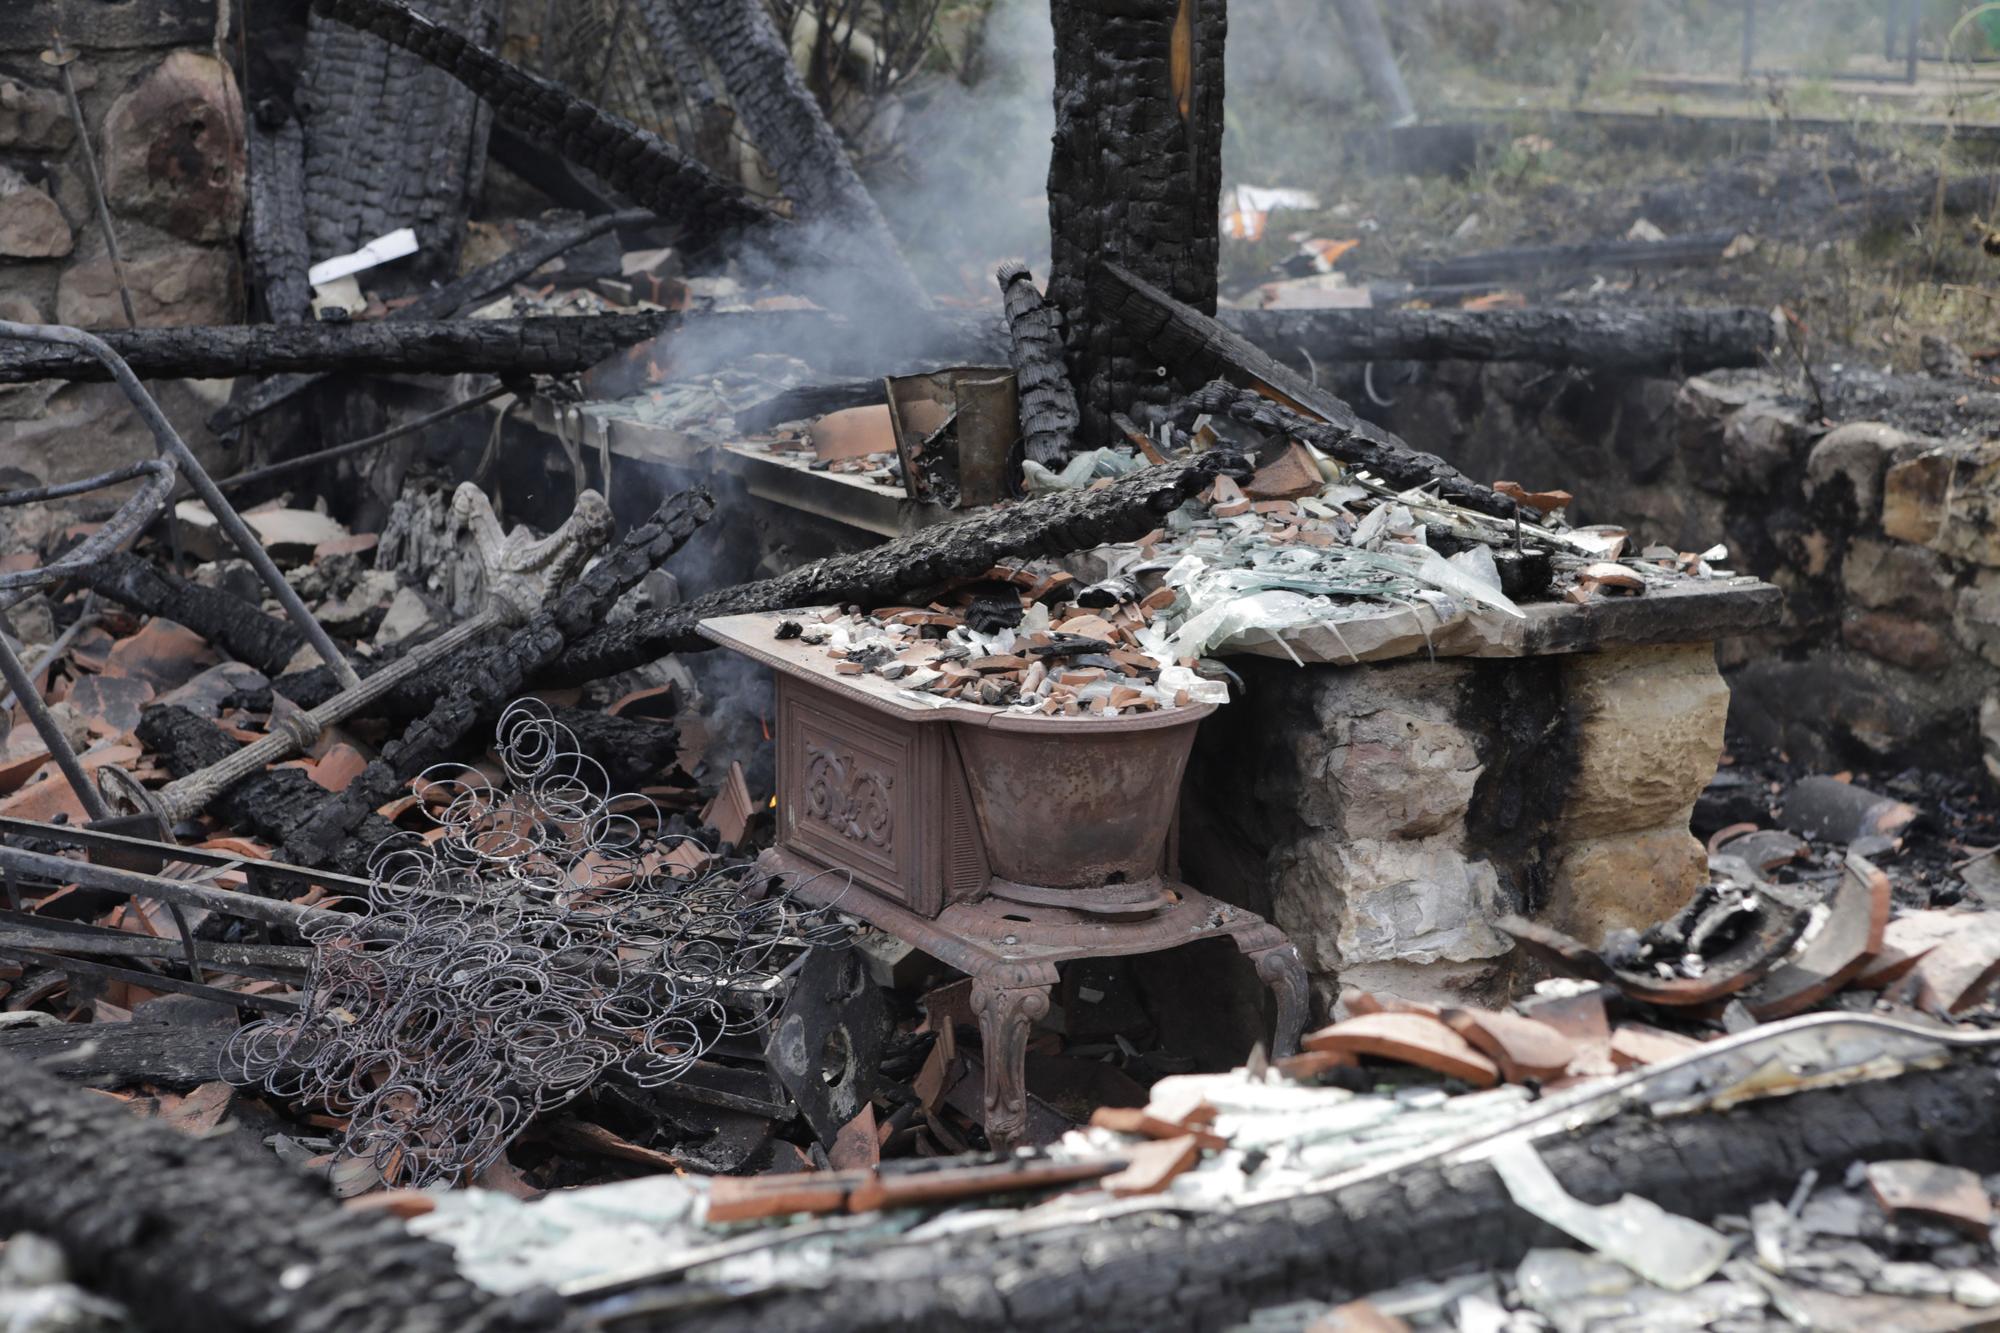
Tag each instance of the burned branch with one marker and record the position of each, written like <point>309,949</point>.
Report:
<point>545,345</point>
<point>263,641</point>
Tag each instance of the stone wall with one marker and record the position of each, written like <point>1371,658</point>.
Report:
<point>166,120</point>
<point>1384,815</point>
<point>1872,508</point>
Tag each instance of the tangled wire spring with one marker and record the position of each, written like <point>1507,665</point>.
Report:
<point>532,941</point>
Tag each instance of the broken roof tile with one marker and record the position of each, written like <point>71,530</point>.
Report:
<point>1416,1039</point>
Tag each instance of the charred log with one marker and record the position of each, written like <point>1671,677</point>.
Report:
<point>1049,415</point>
<point>1399,465</point>
<point>633,751</point>
<point>713,121</point>
<point>655,174</point>
<point>784,120</point>
<point>548,172</point>
<point>118,1055</point>
<point>550,345</point>
<point>391,142</point>
<point>275,248</point>
<point>484,680</point>
<point>1630,340</point>
<point>453,298</point>
<point>1135,177</point>
<point>1210,1268</point>
<point>213,1233</point>
<point>918,564</point>
<point>270,805</point>
<point>227,621</point>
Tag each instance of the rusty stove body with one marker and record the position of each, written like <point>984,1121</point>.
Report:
<point>998,843</point>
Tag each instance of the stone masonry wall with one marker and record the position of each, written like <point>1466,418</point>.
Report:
<point>166,119</point>
<point>1383,815</point>
<point>1873,508</point>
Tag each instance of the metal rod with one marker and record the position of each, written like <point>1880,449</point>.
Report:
<point>62,870</point>
<point>151,980</point>
<point>328,455</point>
<point>34,494</point>
<point>61,60</point>
<point>52,736</point>
<point>87,618</point>
<point>231,522</point>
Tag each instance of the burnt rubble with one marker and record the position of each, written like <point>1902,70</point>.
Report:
<point>613,717</point>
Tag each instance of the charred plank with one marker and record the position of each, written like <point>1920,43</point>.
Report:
<point>548,345</point>
<point>119,1055</point>
<point>275,248</point>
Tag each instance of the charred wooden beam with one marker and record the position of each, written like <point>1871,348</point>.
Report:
<point>1399,465</point>
<point>921,563</point>
<point>551,345</point>
<point>275,248</point>
<point>652,172</point>
<point>225,620</point>
<point>1135,177</point>
<point>119,1055</point>
<point>455,297</point>
<point>391,142</point>
<point>215,1233</point>
<point>1049,416</point>
<point>1212,1267</point>
<point>784,120</point>
<point>485,679</point>
<point>1674,340</point>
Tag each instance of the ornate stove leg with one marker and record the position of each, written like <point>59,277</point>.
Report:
<point>1008,999</point>
<point>1280,967</point>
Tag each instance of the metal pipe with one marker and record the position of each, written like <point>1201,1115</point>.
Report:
<point>218,504</point>
<point>52,736</point>
<point>61,60</point>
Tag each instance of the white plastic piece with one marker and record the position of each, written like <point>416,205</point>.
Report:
<point>381,250</point>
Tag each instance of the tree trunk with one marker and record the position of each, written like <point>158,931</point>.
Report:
<point>390,142</point>
<point>655,174</point>
<point>1376,59</point>
<point>784,120</point>
<point>547,345</point>
<point>213,1233</point>
<point>1135,178</point>
<point>1632,340</point>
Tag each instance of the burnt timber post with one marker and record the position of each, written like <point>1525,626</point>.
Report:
<point>1135,178</point>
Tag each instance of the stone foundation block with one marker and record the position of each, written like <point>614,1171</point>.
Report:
<point>1648,725</point>
<point>1624,881</point>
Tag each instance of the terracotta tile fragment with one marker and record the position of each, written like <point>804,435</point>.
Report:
<point>1416,1039</point>
<point>1635,1044</point>
<point>1523,1048</point>
<point>337,769</point>
<point>1290,475</point>
<point>162,654</point>
<point>1357,1317</point>
<point>1933,1192</point>
<point>1153,1166</point>
<point>1137,1120</point>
